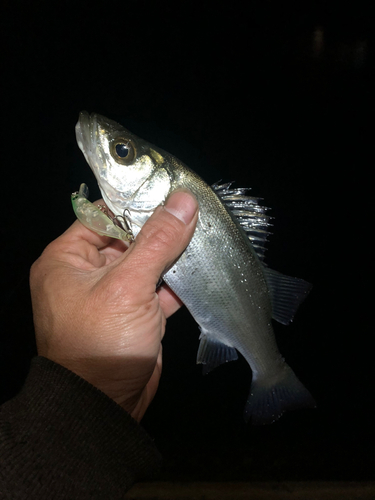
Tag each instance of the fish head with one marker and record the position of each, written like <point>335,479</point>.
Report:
<point>132,175</point>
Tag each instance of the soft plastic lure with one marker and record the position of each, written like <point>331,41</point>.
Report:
<point>95,219</point>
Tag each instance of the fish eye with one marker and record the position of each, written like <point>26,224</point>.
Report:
<point>123,150</point>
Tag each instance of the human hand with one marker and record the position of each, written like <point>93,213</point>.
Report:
<point>95,305</point>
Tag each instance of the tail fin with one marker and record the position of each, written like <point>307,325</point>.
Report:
<point>270,398</point>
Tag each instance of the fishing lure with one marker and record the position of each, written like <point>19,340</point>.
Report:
<point>97,220</point>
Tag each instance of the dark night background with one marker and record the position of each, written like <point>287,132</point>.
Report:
<point>274,96</point>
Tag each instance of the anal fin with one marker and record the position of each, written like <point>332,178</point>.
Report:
<point>212,353</point>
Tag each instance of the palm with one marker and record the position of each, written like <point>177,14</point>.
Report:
<point>122,332</point>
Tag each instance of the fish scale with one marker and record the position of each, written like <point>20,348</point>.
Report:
<point>220,277</point>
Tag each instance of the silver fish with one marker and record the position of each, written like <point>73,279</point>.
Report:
<point>220,277</point>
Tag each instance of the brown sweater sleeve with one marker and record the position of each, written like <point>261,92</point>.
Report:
<point>60,437</point>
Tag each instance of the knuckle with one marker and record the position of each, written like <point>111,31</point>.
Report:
<point>166,236</point>
<point>159,236</point>
<point>35,270</point>
<point>41,267</point>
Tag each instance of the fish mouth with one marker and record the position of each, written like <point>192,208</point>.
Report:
<point>87,136</point>
<point>88,141</point>
<point>86,133</point>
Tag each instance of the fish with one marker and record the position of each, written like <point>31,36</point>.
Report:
<point>221,276</point>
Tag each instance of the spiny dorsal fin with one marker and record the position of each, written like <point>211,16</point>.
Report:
<point>249,213</point>
<point>286,293</point>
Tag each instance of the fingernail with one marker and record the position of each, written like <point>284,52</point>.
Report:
<point>183,205</point>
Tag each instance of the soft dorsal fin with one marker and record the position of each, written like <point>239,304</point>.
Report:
<point>286,294</point>
<point>248,212</point>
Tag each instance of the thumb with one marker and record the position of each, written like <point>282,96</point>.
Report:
<point>163,237</point>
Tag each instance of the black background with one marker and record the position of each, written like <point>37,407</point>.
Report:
<point>277,97</point>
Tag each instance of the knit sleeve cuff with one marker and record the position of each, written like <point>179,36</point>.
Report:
<point>60,433</point>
